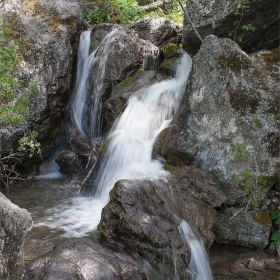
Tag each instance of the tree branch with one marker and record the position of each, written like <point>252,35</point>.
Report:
<point>188,18</point>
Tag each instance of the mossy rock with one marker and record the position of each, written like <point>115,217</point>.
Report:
<point>126,82</point>
<point>172,51</point>
<point>168,67</point>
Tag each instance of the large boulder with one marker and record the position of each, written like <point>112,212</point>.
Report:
<point>249,229</point>
<point>144,217</point>
<point>15,223</point>
<point>83,259</point>
<point>46,32</point>
<point>229,94</point>
<point>217,17</point>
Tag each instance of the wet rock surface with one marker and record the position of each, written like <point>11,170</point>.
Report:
<point>144,216</point>
<point>243,228</point>
<point>228,90</point>
<point>82,259</point>
<point>15,223</point>
<point>116,104</point>
<point>233,262</point>
<point>68,162</point>
<point>217,17</point>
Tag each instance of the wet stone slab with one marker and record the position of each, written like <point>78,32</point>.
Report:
<point>234,262</point>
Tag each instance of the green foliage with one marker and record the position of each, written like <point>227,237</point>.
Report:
<point>28,143</point>
<point>175,13</point>
<point>115,11</point>
<point>275,216</point>
<point>240,151</point>
<point>14,96</point>
<point>95,17</point>
<point>275,236</point>
<point>241,7</point>
<point>254,182</point>
<point>130,10</point>
<point>275,240</point>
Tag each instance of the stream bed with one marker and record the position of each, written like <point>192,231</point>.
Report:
<point>38,196</point>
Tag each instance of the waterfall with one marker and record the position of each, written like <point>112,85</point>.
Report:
<point>148,112</point>
<point>130,142</point>
<point>199,268</point>
<point>83,90</point>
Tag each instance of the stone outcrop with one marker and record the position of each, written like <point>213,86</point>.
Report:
<point>144,216</point>
<point>217,17</point>
<point>228,92</point>
<point>15,223</point>
<point>47,34</point>
<point>83,259</point>
<point>249,229</point>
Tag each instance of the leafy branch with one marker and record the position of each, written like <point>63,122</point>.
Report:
<point>241,8</point>
<point>254,181</point>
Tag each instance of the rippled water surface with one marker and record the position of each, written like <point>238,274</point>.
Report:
<point>38,197</point>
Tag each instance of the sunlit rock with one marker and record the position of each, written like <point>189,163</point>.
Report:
<point>15,223</point>
<point>228,91</point>
<point>46,32</point>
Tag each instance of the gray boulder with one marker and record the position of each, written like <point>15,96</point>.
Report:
<point>217,17</point>
<point>47,34</point>
<point>15,223</point>
<point>82,259</point>
<point>228,91</point>
<point>158,31</point>
<point>249,229</point>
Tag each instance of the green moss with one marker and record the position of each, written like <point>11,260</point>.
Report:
<point>168,67</point>
<point>170,168</point>
<point>273,57</point>
<point>262,218</point>
<point>159,143</point>
<point>126,82</point>
<point>172,50</point>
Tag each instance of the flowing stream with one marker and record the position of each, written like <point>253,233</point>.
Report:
<point>130,142</point>
<point>199,268</point>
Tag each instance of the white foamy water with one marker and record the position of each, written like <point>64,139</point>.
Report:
<point>129,152</point>
<point>86,61</point>
<point>199,268</point>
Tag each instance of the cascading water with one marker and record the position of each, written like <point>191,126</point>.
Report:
<point>199,268</point>
<point>86,61</point>
<point>129,152</point>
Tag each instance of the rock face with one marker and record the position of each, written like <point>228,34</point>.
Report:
<point>47,34</point>
<point>228,93</point>
<point>82,259</point>
<point>249,229</point>
<point>15,223</point>
<point>116,104</point>
<point>144,216</point>
<point>217,17</point>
